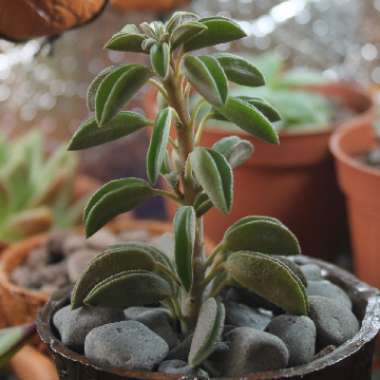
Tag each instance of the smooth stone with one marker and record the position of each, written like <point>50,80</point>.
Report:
<point>102,240</point>
<point>180,367</point>
<point>335,323</point>
<point>74,325</point>
<point>243,296</point>
<point>299,335</point>
<point>294,268</point>
<point>78,262</point>
<point>241,315</point>
<point>254,351</point>
<point>157,319</point>
<point>329,290</point>
<point>312,272</point>
<point>128,345</point>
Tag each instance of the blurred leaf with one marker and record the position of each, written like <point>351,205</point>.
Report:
<point>128,39</point>
<point>123,124</point>
<point>240,70</point>
<point>113,260</point>
<point>202,204</point>
<point>117,88</point>
<point>12,339</point>
<point>184,234</point>
<point>207,77</point>
<point>129,288</point>
<point>114,198</point>
<point>260,235</point>
<point>214,174</point>
<point>250,119</point>
<point>208,331</point>
<point>158,143</point>
<point>219,30</point>
<point>269,278</point>
<point>93,87</point>
<point>178,18</point>
<point>160,59</point>
<point>235,149</point>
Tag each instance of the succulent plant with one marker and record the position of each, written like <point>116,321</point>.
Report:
<point>35,193</point>
<point>251,254</point>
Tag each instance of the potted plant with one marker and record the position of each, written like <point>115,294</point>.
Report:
<point>356,152</point>
<point>311,108</point>
<point>136,310</point>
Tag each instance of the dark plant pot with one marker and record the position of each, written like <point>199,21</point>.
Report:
<point>350,361</point>
<point>294,181</point>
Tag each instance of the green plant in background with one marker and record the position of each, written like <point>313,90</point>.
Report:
<point>252,251</point>
<point>298,108</point>
<point>35,193</point>
<point>12,339</point>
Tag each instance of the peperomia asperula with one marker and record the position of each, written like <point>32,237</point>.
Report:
<point>251,252</point>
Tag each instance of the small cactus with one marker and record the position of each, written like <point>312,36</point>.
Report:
<point>35,194</point>
<point>251,254</point>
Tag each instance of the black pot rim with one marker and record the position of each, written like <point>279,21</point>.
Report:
<point>370,327</point>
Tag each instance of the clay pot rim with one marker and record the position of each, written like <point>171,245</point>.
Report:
<point>370,327</point>
<point>341,155</point>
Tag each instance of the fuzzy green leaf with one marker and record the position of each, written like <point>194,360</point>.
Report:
<point>208,331</point>
<point>214,174</point>
<point>269,278</point>
<point>294,268</point>
<point>184,234</point>
<point>182,33</point>
<point>263,106</point>
<point>207,77</point>
<point>113,260</point>
<point>219,30</point>
<point>129,288</point>
<point>250,119</point>
<point>117,88</point>
<point>128,39</point>
<point>114,198</point>
<point>240,71</point>
<point>260,235</point>
<point>235,149</point>
<point>123,124</point>
<point>93,87</point>
<point>178,18</point>
<point>160,59</point>
<point>157,148</point>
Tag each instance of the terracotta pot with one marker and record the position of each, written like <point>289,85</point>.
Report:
<point>38,18</point>
<point>20,305</point>
<point>148,5</point>
<point>295,181</point>
<point>29,364</point>
<point>361,185</point>
<point>350,361</point>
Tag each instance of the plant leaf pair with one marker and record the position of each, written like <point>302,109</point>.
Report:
<point>260,234</point>
<point>114,198</point>
<point>208,78</point>
<point>215,175</point>
<point>160,59</point>
<point>234,149</point>
<point>269,278</point>
<point>208,331</point>
<point>116,88</point>
<point>117,259</point>
<point>89,134</point>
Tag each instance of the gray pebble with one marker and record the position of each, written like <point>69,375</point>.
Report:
<point>299,335</point>
<point>254,351</point>
<point>181,351</point>
<point>78,262</point>
<point>335,323</point>
<point>180,367</point>
<point>312,272</point>
<point>329,290</point>
<point>128,345</point>
<point>157,319</point>
<point>241,315</point>
<point>74,325</point>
